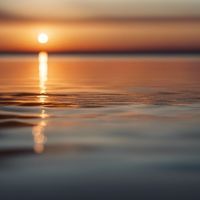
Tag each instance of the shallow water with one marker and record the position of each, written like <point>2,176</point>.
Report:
<point>100,127</point>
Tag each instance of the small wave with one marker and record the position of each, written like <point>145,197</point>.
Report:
<point>15,124</point>
<point>10,116</point>
<point>97,99</point>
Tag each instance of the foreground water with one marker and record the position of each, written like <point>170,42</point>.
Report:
<point>99,127</point>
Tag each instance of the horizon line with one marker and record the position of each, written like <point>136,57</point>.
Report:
<point>103,53</point>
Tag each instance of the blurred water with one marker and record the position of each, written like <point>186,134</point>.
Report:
<point>100,127</point>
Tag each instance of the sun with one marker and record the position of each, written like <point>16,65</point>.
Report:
<point>43,38</point>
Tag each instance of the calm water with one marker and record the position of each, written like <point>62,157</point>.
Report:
<point>99,127</point>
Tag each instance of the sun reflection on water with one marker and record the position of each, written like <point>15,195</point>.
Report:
<point>43,72</point>
<point>38,130</point>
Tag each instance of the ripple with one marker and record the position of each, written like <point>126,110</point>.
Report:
<point>15,124</point>
<point>98,99</point>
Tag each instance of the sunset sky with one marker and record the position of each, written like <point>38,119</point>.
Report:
<point>106,25</point>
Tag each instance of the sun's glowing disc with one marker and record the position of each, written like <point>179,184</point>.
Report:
<point>43,38</point>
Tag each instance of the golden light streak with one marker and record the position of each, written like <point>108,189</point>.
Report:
<point>38,130</point>
<point>39,137</point>
<point>43,75</point>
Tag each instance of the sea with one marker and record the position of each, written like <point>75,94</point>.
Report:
<point>100,127</point>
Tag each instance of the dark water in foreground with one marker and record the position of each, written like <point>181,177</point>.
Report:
<point>100,127</point>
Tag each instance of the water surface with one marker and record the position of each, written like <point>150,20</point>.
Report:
<point>101,127</point>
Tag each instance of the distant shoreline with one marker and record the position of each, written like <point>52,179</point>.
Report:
<point>103,56</point>
<point>107,53</point>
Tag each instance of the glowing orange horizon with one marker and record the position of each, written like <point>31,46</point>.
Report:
<point>146,36</point>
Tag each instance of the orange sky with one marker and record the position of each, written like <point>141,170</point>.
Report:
<point>94,26</point>
<point>108,36</point>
